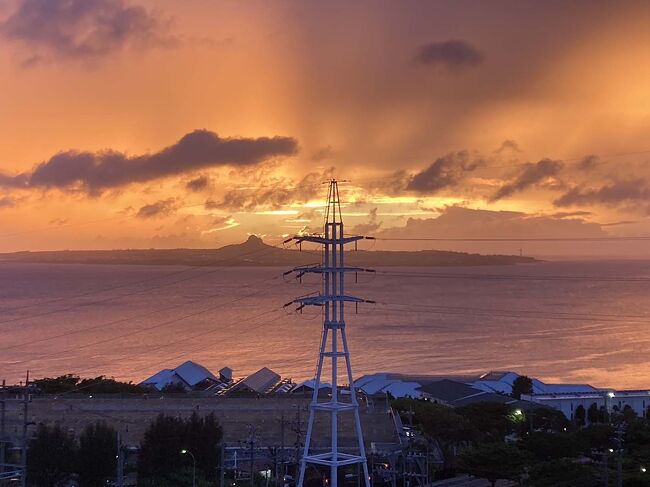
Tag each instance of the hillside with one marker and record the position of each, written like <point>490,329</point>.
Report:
<point>254,252</point>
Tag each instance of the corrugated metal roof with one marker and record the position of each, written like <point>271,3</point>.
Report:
<point>161,379</point>
<point>193,373</point>
<point>261,381</point>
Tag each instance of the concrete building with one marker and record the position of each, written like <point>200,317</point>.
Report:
<point>496,386</point>
<point>602,399</point>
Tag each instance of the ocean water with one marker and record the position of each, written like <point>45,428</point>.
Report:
<point>559,321</point>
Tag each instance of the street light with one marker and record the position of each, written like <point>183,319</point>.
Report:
<point>187,452</point>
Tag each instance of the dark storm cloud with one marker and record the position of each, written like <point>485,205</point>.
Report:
<point>96,171</point>
<point>588,163</point>
<point>443,173</point>
<point>82,29</point>
<point>626,191</point>
<point>508,145</point>
<point>323,154</point>
<point>198,184</point>
<point>18,181</point>
<point>159,208</point>
<point>530,175</point>
<point>453,55</point>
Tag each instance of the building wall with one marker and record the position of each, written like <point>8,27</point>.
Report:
<point>132,414</point>
<point>568,404</point>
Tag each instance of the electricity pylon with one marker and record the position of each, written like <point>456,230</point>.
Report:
<point>332,299</point>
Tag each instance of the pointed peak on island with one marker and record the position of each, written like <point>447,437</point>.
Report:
<point>254,240</point>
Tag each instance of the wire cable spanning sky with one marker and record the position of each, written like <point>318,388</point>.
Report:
<point>449,119</point>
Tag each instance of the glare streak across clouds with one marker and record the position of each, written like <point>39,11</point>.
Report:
<point>96,171</point>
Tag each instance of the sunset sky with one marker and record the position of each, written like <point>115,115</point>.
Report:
<point>194,123</point>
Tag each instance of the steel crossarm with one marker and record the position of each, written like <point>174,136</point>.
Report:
<point>325,240</point>
<point>319,269</point>
<point>10,475</point>
<point>323,299</point>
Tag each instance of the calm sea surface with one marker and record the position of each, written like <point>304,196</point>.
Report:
<point>560,321</point>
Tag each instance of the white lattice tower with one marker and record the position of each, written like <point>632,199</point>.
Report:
<point>334,344</point>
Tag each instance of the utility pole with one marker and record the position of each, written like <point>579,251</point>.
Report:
<point>222,463</point>
<point>332,299</point>
<point>3,458</point>
<point>619,458</point>
<point>251,449</point>
<point>279,477</point>
<point>297,428</point>
<point>120,460</point>
<point>23,452</point>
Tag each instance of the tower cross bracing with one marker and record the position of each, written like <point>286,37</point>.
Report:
<point>334,343</point>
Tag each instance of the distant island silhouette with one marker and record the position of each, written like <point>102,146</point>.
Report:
<point>254,252</point>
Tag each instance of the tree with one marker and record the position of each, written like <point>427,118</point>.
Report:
<point>561,473</point>
<point>629,414</point>
<point>50,457</point>
<point>546,446</point>
<point>97,385</point>
<point>96,462</point>
<point>579,415</point>
<point>160,460</point>
<point>593,414</point>
<point>493,462</point>
<point>597,436</point>
<point>490,419</point>
<point>549,419</point>
<point>522,385</point>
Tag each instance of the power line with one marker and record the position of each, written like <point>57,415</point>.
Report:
<point>142,330</point>
<point>134,293</point>
<point>533,239</point>
<point>122,320</point>
<point>511,277</point>
<point>516,313</point>
<point>185,339</point>
<point>168,359</point>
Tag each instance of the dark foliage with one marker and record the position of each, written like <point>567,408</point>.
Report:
<point>160,457</point>
<point>174,389</point>
<point>580,415</point>
<point>545,446</point>
<point>51,457</point>
<point>522,385</point>
<point>96,460</point>
<point>490,419</point>
<point>562,473</point>
<point>494,461</point>
<point>97,385</point>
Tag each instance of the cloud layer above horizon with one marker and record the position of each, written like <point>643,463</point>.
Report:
<point>428,110</point>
